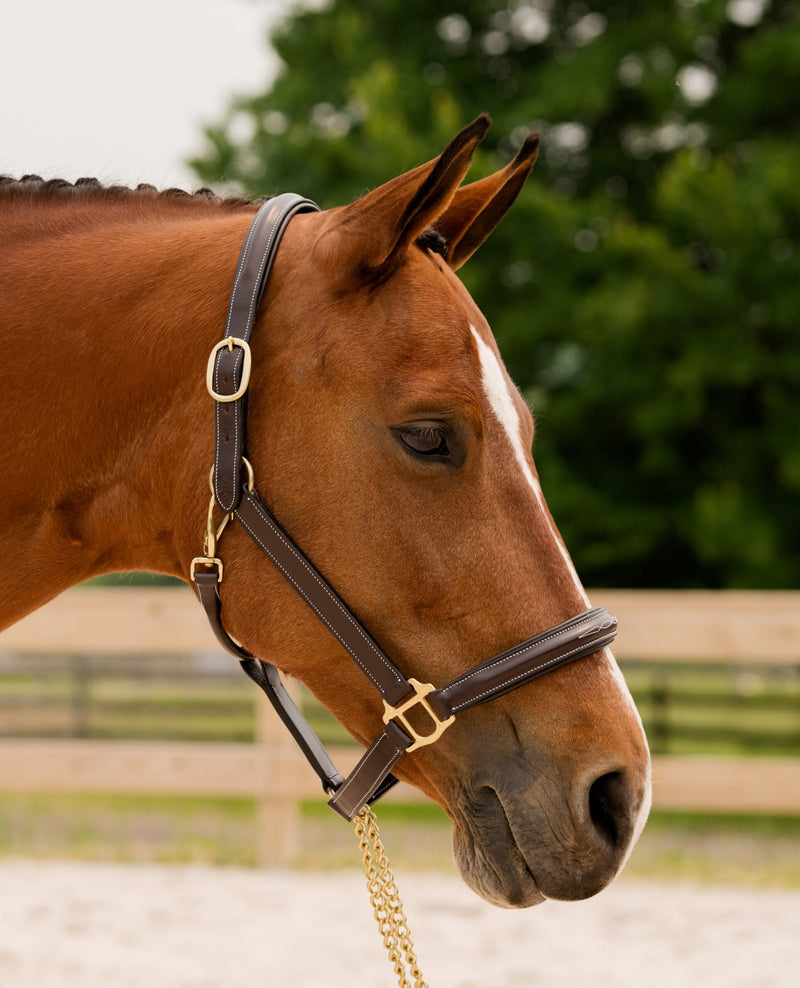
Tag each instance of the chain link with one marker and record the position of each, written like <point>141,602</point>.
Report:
<point>385,898</point>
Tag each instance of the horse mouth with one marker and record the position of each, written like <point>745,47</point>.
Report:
<point>492,864</point>
<point>519,851</point>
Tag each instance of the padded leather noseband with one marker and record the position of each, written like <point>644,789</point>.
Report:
<point>228,378</point>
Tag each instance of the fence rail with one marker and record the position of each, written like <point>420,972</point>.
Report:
<point>684,625</point>
<point>730,627</point>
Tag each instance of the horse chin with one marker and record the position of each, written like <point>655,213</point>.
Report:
<point>509,883</point>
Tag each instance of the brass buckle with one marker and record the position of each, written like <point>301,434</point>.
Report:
<point>421,690</point>
<point>230,342</point>
<point>207,561</point>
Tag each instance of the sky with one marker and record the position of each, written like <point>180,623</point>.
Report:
<point>120,91</point>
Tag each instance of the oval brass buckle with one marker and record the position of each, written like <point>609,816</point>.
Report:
<point>230,342</point>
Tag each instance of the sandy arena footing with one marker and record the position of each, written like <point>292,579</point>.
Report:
<point>78,925</point>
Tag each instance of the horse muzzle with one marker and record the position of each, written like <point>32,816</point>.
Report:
<point>519,839</point>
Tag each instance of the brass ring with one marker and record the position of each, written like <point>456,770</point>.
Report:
<point>251,477</point>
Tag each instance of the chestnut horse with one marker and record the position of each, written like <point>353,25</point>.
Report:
<point>387,438</point>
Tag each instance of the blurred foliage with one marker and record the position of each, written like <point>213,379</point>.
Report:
<point>645,288</point>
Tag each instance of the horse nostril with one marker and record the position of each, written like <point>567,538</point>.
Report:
<point>610,807</point>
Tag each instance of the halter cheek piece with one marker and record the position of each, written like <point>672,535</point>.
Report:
<point>233,491</point>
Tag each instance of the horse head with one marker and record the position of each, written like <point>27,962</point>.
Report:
<point>389,440</point>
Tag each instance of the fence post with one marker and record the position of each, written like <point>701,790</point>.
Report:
<point>278,811</point>
<point>81,686</point>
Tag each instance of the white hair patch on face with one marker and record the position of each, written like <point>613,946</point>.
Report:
<point>502,404</point>
<point>497,390</point>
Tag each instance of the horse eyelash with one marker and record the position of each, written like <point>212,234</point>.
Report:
<point>429,432</point>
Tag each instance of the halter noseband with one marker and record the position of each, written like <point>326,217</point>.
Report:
<point>227,380</point>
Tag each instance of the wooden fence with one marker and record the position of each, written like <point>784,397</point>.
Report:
<point>729,627</point>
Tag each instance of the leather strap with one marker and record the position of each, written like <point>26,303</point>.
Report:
<point>322,598</point>
<point>269,679</point>
<point>252,272</point>
<point>375,765</point>
<point>207,586</point>
<point>572,639</point>
<point>566,642</point>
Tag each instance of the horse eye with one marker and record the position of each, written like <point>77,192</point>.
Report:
<point>425,441</point>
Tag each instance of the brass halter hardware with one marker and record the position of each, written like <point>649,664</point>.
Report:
<point>209,559</point>
<point>421,690</point>
<point>210,562</point>
<point>230,342</point>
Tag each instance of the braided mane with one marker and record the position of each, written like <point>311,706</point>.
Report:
<point>35,187</point>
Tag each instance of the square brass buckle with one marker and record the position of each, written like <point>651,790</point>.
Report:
<point>210,562</point>
<point>421,690</point>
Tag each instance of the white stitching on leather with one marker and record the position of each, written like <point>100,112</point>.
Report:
<point>236,439</point>
<point>518,651</point>
<point>309,602</point>
<point>323,586</point>
<point>236,436</point>
<point>278,221</point>
<point>545,665</point>
<point>239,271</point>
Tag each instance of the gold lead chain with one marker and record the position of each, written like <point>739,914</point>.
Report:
<point>385,899</point>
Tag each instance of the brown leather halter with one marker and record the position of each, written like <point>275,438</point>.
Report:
<point>228,378</point>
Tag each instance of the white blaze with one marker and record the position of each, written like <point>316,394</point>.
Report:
<point>495,383</point>
<point>497,391</point>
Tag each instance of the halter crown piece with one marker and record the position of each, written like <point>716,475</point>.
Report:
<point>234,493</point>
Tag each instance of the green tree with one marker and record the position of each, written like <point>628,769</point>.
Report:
<point>644,289</point>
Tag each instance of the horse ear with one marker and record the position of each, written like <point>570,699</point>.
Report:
<point>385,222</point>
<point>477,208</point>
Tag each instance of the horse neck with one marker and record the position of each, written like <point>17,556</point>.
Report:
<point>107,430</point>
